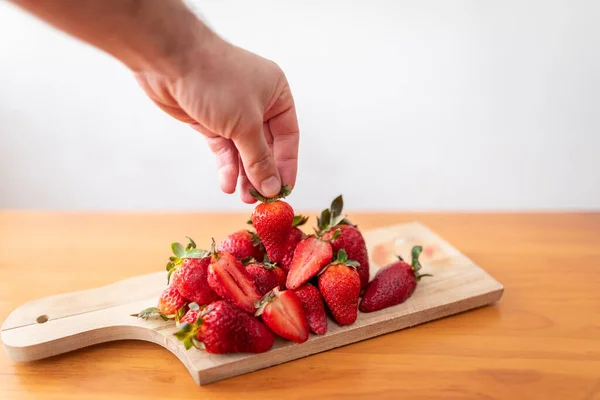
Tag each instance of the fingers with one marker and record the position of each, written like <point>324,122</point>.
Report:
<point>257,160</point>
<point>227,162</point>
<point>245,186</point>
<point>284,128</point>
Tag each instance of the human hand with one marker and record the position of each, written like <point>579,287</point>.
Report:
<point>242,104</point>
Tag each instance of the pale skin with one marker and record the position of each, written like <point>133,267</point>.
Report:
<point>239,101</point>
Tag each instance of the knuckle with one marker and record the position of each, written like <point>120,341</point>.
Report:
<point>260,165</point>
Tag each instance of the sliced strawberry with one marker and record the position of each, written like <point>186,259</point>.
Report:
<point>310,256</point>
<point>282,312</point>
<point>230,280</point>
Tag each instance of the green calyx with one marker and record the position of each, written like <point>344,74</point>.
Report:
<point>255,239</point>
<point>188,332</point>
<point>180,253</point>
<point>332,216</point>
<point>153,312</point>
<point>299,220</point>
<point>415,263</point>
<point>285,191</point>
<point>341,258</point>
<point>268,298</point>
<point>266,264</point>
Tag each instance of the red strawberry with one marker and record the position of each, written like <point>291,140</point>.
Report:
<point>349,238</point>
<point>282,312</point>
<point>296,235</point>
<point>190,316</point>
<point>223,328</point>
<point>190,279</point>
<point>275,223</point>
<point>170,303</point>
<point>310,256</point>
<point>393,284</point>
<point>340,286</point>
<point>266,276</point>
<point>230,280</point>
<point>243,244</point>
<point>187,271</point>
<point>312,304</point>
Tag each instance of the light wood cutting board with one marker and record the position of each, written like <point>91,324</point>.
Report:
<point>62,323</point>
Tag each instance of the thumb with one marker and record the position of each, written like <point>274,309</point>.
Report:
<point>258,161</point>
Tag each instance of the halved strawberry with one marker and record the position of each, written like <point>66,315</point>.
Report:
<point>230,280</point>
<point>282,312</point>
<point>310,256</point>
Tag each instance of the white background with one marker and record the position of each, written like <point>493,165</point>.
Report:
<point>409,105</point>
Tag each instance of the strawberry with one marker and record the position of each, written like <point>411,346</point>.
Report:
<point>393,284</point>
<point>296,235</point>
<point>187,271</point>
<point>243,244</point>
<point>282,312</point>
<point>339,284</point>
<point>310,256</point>
<point>170,304</point>
<point>312,304</point>
<point>190,279</point>
<point>274,222</point>
<point>190,316</point>
<point>350,239</point>
<point>266,276</point>
<point>223,328</point>
<point>230,280</point>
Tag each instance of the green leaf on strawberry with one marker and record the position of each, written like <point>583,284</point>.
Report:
<point>180,253</point>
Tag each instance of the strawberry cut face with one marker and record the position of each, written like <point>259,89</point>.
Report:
<point>230,280</point>
<point>310,256</point>
<point>282,312</point>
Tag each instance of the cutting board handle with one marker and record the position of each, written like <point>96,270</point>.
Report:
<point>67,322</point>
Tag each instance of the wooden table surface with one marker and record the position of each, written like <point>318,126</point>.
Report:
<point>541,341</point>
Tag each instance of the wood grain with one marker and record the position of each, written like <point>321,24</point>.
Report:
<point>58,324</point>
<point>542,340</point>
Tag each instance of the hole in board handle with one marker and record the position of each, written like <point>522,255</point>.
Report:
<point>41,319</point>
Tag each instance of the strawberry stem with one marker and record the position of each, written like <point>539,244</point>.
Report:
<point>416,264</point>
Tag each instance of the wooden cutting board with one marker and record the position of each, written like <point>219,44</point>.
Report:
<point>62,323</point>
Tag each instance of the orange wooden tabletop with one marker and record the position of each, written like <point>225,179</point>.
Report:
<point>542,340</point>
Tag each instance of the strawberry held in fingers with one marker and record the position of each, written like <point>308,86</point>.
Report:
<point>228,277</point>
<point>339,284</point>
<point>266,276</point>
<point>274,222</point>
<point>243,244</point>
<point>393,284</point>
<point>223,328</point>
<point>312,304</point>
<point>282,312</point>
<point>349,238</point>
<point>310,256</point>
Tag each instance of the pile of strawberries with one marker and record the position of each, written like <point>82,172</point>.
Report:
<point>276,280</point>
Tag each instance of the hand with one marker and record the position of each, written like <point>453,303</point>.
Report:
<point>242,103</point>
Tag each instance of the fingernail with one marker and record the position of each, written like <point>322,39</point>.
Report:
<point>270,186</point>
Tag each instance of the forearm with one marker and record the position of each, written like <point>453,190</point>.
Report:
<point>143,34</point>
